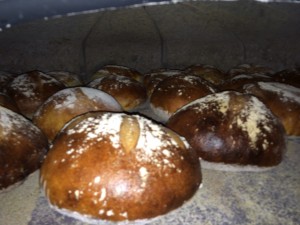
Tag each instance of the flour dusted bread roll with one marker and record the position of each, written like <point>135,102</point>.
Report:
<point>128,92</point>
<point>237,82</point>
<point>118,70</point>
<point>151,79</point>
<point>31,89</point>
<point>118,167</point>
<point>207,72</point>
<point>288,76</point>
<point>67,78</point>
<point>175,91</point>
<point>5,78</point>
<point>69,103</point>
<point>250,68</point>
<point>22,149</point>
<point>283,100</point>
<point>231,128</point>
<point>7,102</point>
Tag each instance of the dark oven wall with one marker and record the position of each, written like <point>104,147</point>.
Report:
<point>219,33</point>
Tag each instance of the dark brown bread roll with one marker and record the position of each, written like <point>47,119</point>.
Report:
<point>231,128</point>
<point>207,72</point>
<point>66,78</point>
<point>175,91</point>
<point>237,82</point>
<point>31,89</point>
<point>5,78</point>
<point>151,79</point>
<point>118,70</point>
<point>283,100</point>
<point>250,68</point>
<point>69,103</point>
<point>128,92</point>
<point>22,148</point>
<point>7,102</point>
<point>118,167</point>
<point>288,76</point>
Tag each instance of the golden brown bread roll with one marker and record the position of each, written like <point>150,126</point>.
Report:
<point>207,72</point>
<point>66,78</point>
<point>175,91</point>
<point>22,148</point>
<point>118,167</point>
<point>69,103</point>
<point>283,100</point>
<point>31,89</point>
<point>118,70</point>
<point>231,128</point>
<point>128,92</point>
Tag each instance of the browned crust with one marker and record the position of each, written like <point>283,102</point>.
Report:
<point>22,149</point>
<point>34,91</point>
<point>224,135</point>
<point>109,182</point>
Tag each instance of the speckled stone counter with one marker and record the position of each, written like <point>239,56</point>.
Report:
<point>270,197</point>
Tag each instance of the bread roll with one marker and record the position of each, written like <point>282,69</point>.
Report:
<point>118,167</point>
<point>151,79</point>
<point>288,76</point>
<point>207,72</point>
<point>66,78</point>
<point>248,68</point>
<point>7,102</point>
<point>31,89</point>
<point>5,78</point>
<point>175,91</point>
<point>69,103</point>
<point>283,100</point>
<point>128,92</point>
<point>118,70</point>
<point>22,150</point>
<point>237,82</point>
<point>231,128</point>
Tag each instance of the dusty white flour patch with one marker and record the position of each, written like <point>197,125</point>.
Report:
<point>285,92</point>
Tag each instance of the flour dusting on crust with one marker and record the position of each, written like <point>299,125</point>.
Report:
<point>285,92</point>
<point>153,143</point>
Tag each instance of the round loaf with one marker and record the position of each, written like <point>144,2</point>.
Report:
<point>288,76</point>
<point>5,78</point>
<point>175,91</point>
<point>231,128</point>
<point>207,72</point>
<point>249,68</point>
<point>128,92</point>
<point>69,103</point>
<point>151,79</point>
<point>118,167</point>
<point>237,82</point>
<point>31,89</point>
<point>22,149</point>
<point>118,70</point>
<point>283,100</point>
<point>66,78</point>
<point>7,102</point>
